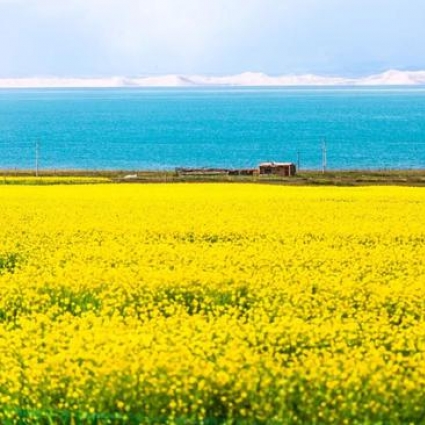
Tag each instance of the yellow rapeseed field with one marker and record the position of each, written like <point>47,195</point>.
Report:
<point>212,303</point>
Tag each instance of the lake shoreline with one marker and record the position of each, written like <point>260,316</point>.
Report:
<point>303,178</point>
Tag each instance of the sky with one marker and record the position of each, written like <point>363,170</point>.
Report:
<point>98,38</point>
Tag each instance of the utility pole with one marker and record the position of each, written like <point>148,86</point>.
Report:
<point>298,160</point>
<point>36,158</point>
<point>324,156</point>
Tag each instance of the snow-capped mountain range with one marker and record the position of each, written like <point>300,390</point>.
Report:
<point>246,79</point>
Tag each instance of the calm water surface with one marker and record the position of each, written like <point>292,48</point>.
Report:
<point>203,127</point>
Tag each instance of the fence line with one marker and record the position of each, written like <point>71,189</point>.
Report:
<point>22,155</point>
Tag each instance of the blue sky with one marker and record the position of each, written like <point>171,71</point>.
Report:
<point>94,38</point>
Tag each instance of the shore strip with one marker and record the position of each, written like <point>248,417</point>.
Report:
<point>302,178</point>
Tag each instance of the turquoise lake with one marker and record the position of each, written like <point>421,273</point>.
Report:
<point>134,129</point>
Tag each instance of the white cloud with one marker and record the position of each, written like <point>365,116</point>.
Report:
<point>129,37</point>
<point>132,25</point>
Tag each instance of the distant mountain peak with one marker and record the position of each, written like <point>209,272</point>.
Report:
<point>245,79</point>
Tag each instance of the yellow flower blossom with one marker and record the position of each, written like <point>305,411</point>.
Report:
<point>239,302</point>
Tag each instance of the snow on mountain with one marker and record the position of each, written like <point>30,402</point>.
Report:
<point>246,79</point>
<point>394,77</point>
<point>161,81</point>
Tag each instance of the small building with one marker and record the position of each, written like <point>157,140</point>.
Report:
<point>280,168</point>
<point>243,172</point>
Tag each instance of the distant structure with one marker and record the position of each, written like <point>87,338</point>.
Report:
<point>130,177</point>
<point>286,169</point>
<point>280,168</point>
<point>217,171</point>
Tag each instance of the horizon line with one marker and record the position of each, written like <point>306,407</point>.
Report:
<point>392,77</point>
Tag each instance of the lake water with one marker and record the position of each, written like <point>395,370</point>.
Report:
<point>131,128</point>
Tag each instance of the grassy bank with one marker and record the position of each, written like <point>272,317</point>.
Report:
<point>304,178</point>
